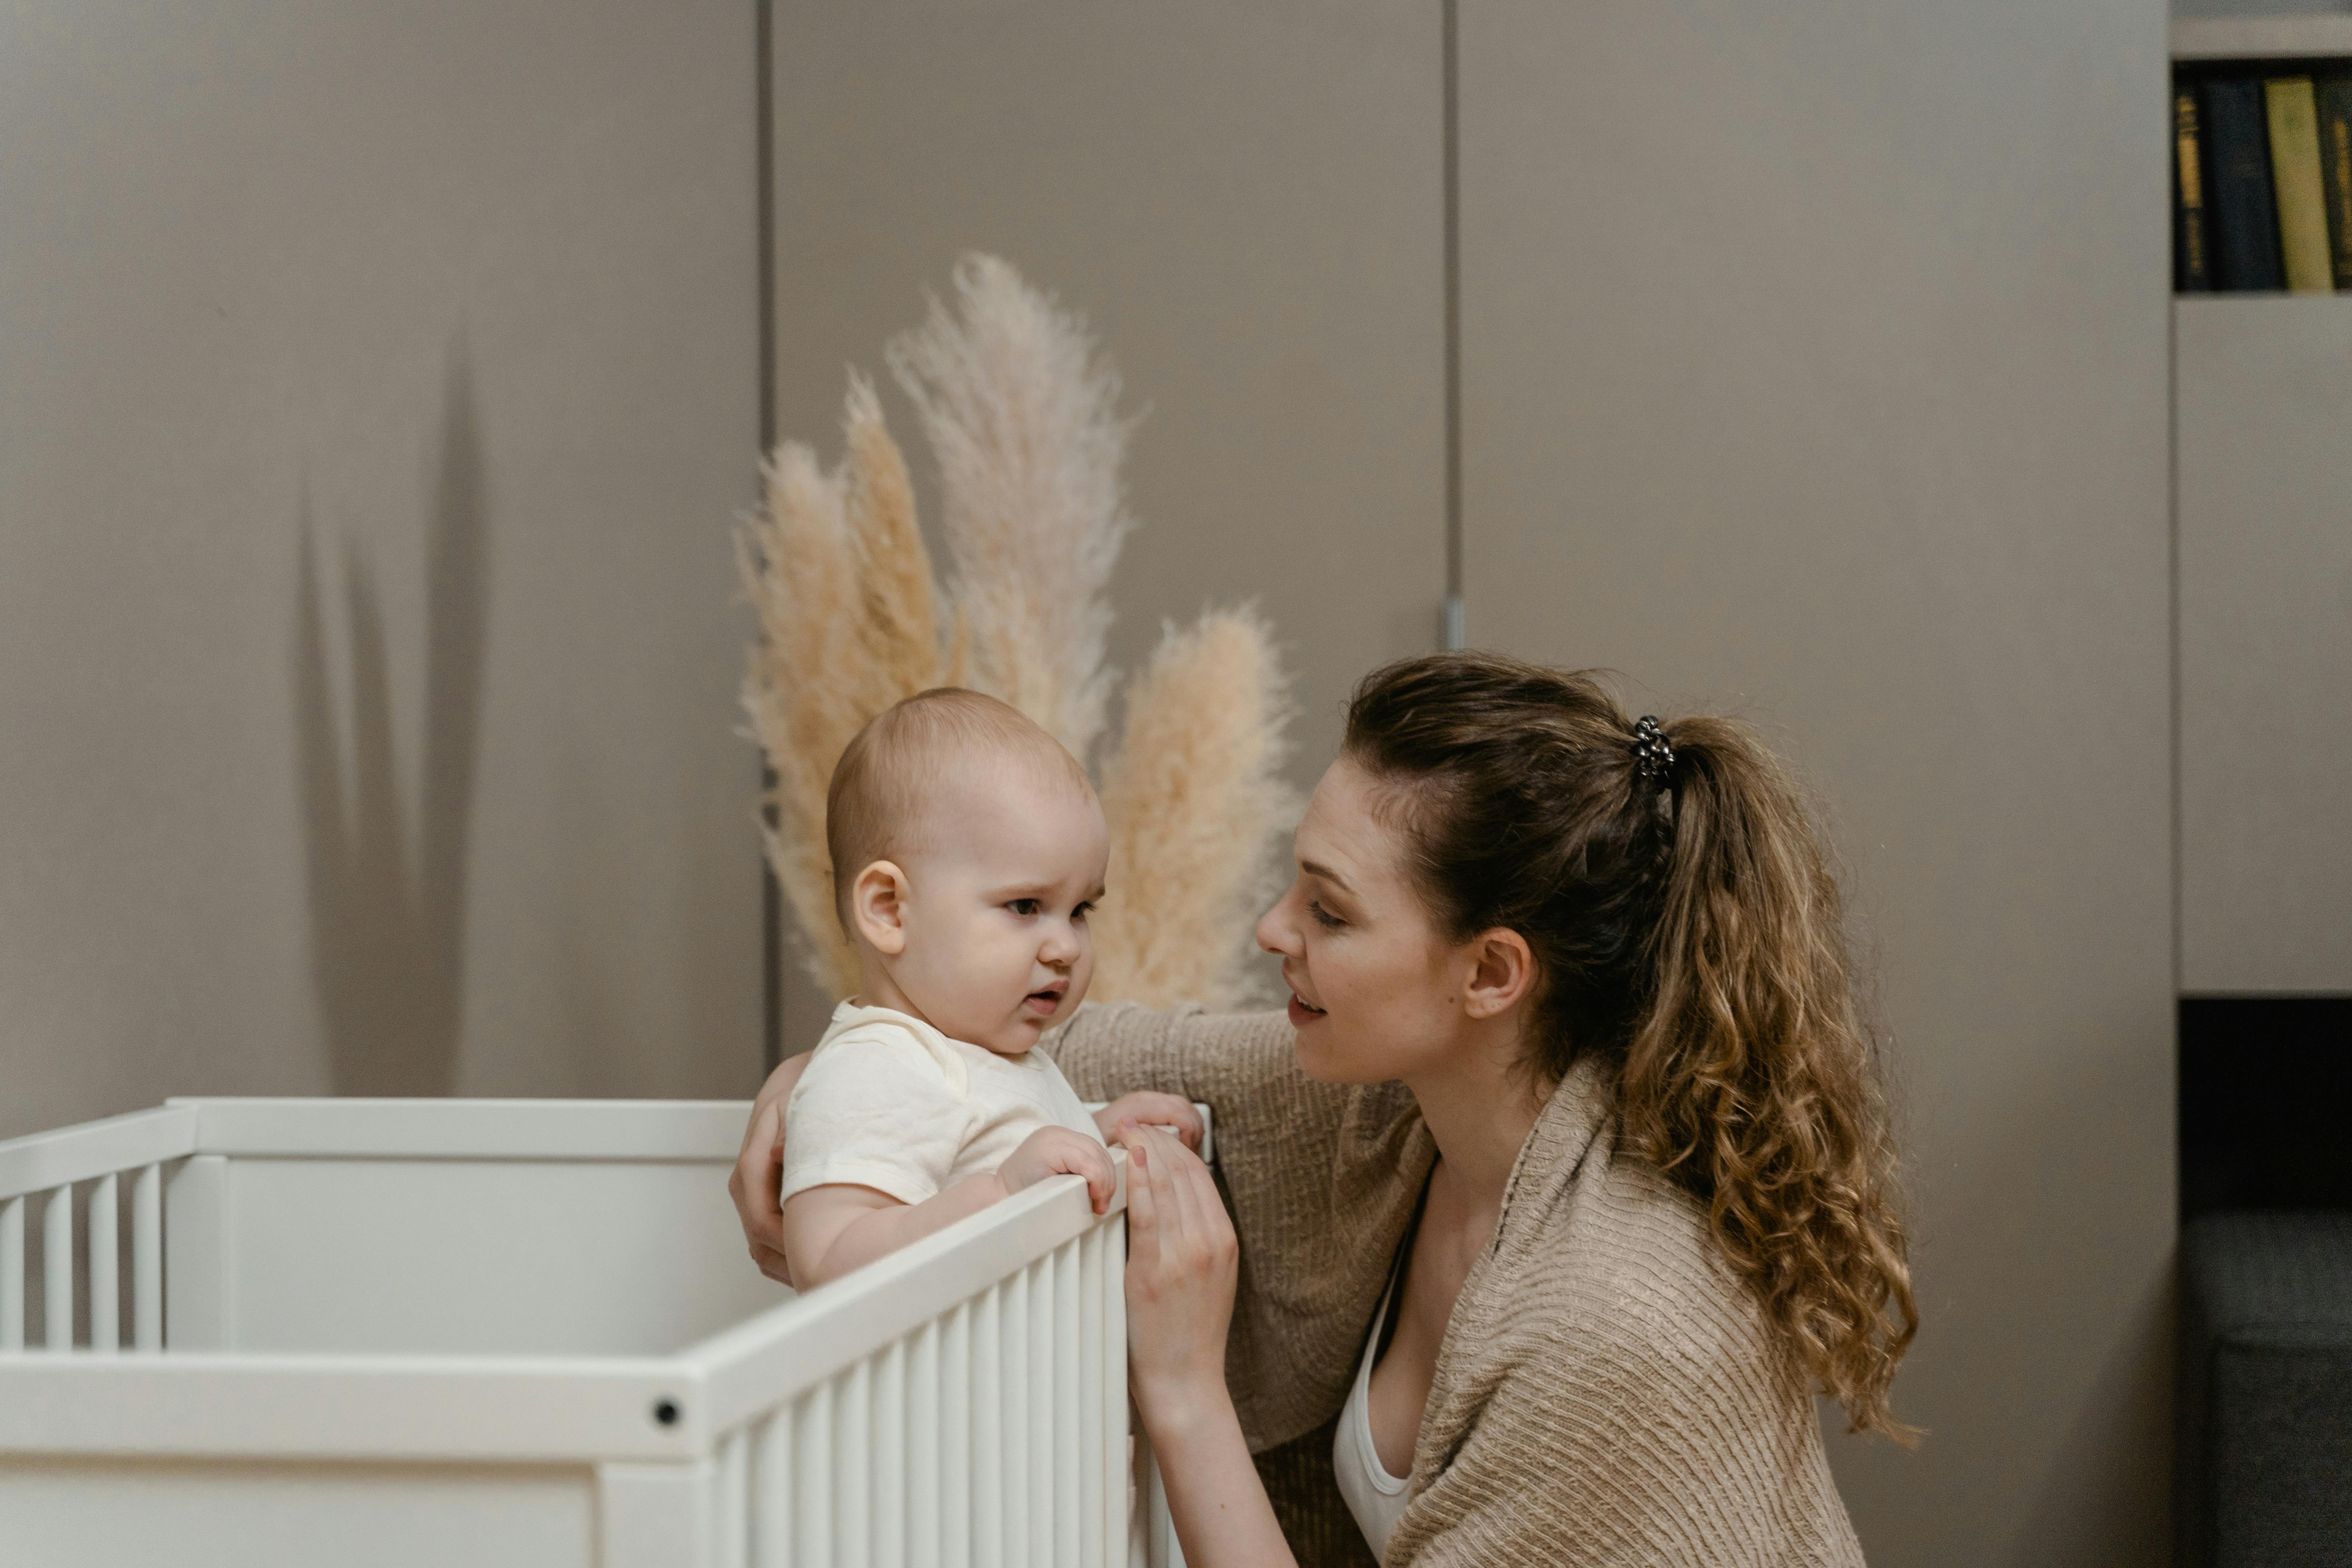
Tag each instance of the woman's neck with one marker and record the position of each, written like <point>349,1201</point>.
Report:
<point>1480,1108</point>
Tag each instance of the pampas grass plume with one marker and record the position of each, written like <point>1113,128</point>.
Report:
<point>1194,797</point>
<point>1023,416</point>
<point>837,567</point>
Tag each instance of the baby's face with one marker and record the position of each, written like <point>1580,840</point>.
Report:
<point>997,948</point>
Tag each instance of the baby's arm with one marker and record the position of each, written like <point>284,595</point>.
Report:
<point>830,1230</point>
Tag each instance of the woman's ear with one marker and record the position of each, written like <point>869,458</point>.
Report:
<point>878,908</point>
<point>1502,972</point>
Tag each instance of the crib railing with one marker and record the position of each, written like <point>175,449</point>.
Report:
<point>111,1158</point>
<point>994,1433</point>
<point>959,1403</point>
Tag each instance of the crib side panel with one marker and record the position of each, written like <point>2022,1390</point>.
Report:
<point>482,1256</point>
<point>193,1514</point>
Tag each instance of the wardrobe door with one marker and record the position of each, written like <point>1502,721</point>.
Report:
<point>1814,370</point>
<point>1246,202</point>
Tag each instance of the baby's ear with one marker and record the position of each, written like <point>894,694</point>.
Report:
<point>878,908</point>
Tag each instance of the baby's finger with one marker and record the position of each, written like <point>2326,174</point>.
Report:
<point>1095,1162</point>
<point>1184,1117</point>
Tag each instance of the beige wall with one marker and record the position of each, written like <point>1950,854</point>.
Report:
<point>377,386</point>
<point>1814,368</point>
<point>1246,200</point>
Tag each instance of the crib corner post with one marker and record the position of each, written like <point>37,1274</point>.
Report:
<point>654,1515</point>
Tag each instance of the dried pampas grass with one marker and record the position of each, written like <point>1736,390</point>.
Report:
<point>1022,415</point>
<point>1193,793</point>
<point>836,566</point>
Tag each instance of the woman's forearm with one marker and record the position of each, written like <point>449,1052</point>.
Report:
<point>1215,1496</point>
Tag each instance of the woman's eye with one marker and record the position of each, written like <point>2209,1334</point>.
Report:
<point>1324,917</point>
<point>1026,907</point>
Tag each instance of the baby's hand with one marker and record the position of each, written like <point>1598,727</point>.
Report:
<point>1149,1107</point>
<point>1058,1152</point>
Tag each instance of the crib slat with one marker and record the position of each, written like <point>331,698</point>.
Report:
<point>147,1258</point>
<point>892,1456</point>
<point>1014,1323</point>
<point>12,1274</point>
<point>772,1491</point>
<point>1042,1296</point>
<point>957,1380</point>
<point>1092,1497</point>
<point>988,1457</point>
<point>922,1422</point>
<point>854,1468</point>
<point>105,1299</point>
<point>1069,1458</point>
<point>812,1474</point>
<point>733,1535</point>
<point>1114,1385</point>
<point>56,1265</point>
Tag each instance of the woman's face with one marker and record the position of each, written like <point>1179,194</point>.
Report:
<point>1375,986</point>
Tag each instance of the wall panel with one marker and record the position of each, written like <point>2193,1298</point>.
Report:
<point>1814,368</point>
<point>377,388</point>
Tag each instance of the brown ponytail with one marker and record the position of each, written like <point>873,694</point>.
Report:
<point>1688,930</point>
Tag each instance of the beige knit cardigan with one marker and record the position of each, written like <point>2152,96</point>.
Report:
<point>1608,1391</point>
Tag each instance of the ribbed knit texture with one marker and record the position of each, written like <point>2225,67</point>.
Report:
<point>1607,1393</point>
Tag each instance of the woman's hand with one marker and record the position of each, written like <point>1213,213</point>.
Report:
<point>759,1169</point>
<point>1181,1263</point>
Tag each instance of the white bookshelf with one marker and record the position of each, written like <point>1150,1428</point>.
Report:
<point>2260,37</point>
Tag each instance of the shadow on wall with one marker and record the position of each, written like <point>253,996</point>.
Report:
<point>387,906</point>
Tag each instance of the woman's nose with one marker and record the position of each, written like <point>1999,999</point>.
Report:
<point>1275,931</point>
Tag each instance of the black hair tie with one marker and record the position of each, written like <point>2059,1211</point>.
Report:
<point>1653,756</point>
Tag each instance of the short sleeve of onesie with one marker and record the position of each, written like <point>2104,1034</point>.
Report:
<point>876,1109</point>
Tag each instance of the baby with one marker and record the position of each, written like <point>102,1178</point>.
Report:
<point>967,850</point>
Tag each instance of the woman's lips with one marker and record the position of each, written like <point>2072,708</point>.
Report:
<point>1301,1015</point>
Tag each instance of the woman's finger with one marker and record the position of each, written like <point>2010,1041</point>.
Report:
<point>1142,1213</point>
<point>1178,1161</point>
<point>1167,1201</point>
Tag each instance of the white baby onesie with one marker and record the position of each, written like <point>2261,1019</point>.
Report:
<point>889,1103</point>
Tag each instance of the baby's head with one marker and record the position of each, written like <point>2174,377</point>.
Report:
<point>967,849</point>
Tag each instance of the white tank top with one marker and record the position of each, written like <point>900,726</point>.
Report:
<point>1376,1498</point>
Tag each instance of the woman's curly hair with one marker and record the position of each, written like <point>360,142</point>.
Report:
<point>1687,928</point>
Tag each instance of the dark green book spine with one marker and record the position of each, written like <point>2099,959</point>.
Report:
<point>2335,170</point>
<point>2193,242</point>
<point>2237,136</point>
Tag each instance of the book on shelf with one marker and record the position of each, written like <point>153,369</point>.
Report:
<point>2294,180</point>
<point>2238,184</point>
<point>2193,265</point>
<point>2333,97</point>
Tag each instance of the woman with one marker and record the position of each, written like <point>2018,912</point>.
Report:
<point>1562,1186</point>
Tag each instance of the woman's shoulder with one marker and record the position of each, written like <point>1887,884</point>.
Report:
<point>1614,1353</point>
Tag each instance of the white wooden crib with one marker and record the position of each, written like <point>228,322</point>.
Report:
<point>524,1333</point>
